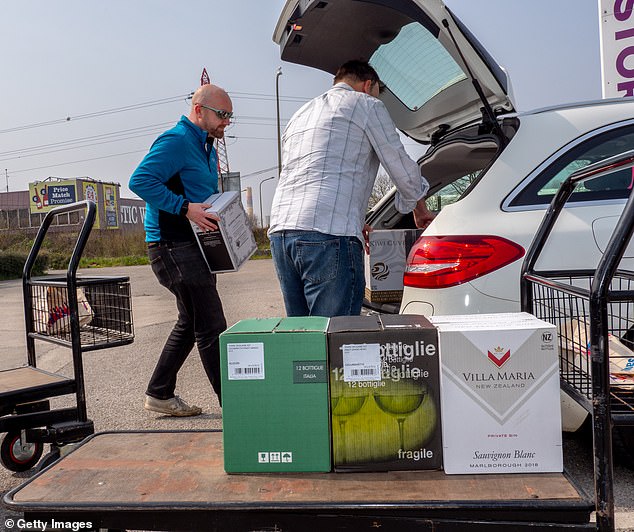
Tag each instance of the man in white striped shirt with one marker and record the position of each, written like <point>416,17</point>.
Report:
<point>332,148</point>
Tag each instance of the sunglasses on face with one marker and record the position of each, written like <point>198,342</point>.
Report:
<point>223,115</point>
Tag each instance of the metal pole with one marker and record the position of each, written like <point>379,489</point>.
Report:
<point>6,175</point>
<point>278,73</point>
<point>261,215</point>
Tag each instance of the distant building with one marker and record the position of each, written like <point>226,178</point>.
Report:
<point>26,209</point>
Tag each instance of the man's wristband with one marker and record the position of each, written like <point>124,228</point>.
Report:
<point>184,208</point>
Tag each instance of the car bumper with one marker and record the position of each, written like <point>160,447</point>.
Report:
<point>462,299</point>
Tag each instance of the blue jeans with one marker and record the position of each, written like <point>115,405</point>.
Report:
<point>320,275</point>
<point>180,267</point>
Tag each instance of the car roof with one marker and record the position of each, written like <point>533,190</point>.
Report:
<point>571,106</point>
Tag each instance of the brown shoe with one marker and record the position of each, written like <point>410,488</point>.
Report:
<point>171,407</point>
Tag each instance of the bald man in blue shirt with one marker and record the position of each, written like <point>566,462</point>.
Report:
<point>175,178</point>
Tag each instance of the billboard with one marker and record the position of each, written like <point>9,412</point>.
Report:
<point>110,206</point>
<point>91,193</point>
<point>617,47</point>
<point>45,195</point>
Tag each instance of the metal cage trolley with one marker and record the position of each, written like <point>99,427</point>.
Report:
<point>81,313</point>
<point>594,314</point>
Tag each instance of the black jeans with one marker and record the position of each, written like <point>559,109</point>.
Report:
<point>180,267</point>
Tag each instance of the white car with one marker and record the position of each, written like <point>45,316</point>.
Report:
<point>492,171</point>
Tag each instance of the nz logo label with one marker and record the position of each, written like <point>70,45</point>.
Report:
<point>499,357</point>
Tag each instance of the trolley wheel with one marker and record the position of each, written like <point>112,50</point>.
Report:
<point>623,441</point>
<point>17,455</point>
<point>49,458</point>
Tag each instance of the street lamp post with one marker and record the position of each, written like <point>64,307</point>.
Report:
<point>261,215</point>
<point>278,73</point>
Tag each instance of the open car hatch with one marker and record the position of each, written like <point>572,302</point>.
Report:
<point>437,74</point>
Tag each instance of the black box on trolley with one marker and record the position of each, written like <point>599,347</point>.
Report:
<point>384,391</point>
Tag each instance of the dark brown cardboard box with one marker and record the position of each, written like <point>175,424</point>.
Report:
<point>384,391</point>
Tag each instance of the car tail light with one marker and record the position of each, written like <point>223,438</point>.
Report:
<point>443,261</point>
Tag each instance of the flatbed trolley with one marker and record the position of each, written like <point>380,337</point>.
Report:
<point>174,480</point>
<point>594,314</point>
<point>81,313</point>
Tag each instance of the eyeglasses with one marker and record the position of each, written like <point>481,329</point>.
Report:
<point>223,115</point>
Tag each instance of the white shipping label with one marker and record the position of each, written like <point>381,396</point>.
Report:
<point>361,362</point>
<point>245,361</point>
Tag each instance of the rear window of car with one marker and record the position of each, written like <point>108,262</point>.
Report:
<point>615,185</point>
<point>453,165</point>
<point>451,192</point>
<point>415,66</point>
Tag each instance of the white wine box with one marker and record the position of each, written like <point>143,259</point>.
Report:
<point>499,394</point>
<point>229,247</point>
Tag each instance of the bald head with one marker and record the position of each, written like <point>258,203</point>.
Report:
<point>210,96</point>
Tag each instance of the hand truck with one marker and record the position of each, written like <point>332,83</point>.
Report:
<point>594,314</point>
<point>81,313</point>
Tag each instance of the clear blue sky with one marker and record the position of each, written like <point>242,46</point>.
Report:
<point>121,69</point>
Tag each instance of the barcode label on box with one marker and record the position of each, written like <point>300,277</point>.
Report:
<point>245,361</point>
<point>361,362</point>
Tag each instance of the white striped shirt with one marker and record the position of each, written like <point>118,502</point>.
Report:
<point>332,148</point>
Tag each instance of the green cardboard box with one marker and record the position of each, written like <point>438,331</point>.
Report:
<point>275,395</point>
<point>385,394</point>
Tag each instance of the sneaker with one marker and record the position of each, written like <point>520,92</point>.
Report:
<point>172,407</point>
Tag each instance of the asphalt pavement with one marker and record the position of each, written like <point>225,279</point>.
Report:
<point>116,377</point>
